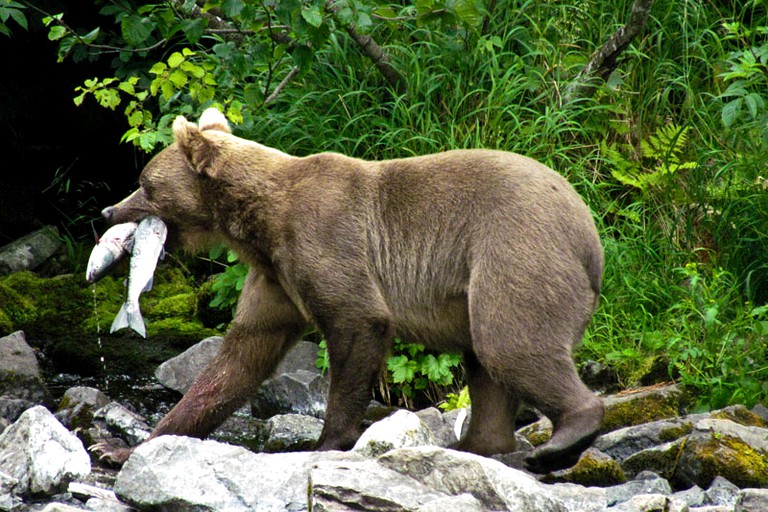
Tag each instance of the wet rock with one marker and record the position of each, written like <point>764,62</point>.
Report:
<point>627,441</point>
<point>651,503</point>
<point>643,405</point>
<point>752,500</point>
<point>594,468</point>
<point>41,454</point>
<point>724,448</point>
<point>28,252</point>
<point>297,387</point>
<point>292,433</point>
<point>123,423</point>
<point>20,375</point>
<point>11,408</point>
<point>78,405</point>
<point>443,430</point>
<point>401,429</point>
<point>694,497</point>
<point>178,373</point>
<point>722,492</point>
<point>645,483</point>
<point>495,485</point>
<point>181,473</point>
<point>365,485</point>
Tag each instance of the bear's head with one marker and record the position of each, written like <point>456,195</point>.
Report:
<point>173,184</point>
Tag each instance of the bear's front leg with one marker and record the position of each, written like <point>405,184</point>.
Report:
<point>266,325</point>
<point>356,349</point>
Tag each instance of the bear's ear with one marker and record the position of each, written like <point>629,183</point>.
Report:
<point>199,149</point>
<point>212,119</point>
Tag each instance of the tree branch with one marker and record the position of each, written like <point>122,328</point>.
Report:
<point>281,85</point>
<point>370,49</point>
<point>604,61</point>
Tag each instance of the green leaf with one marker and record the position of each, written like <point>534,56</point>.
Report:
<point>175,60</point>
<point>194,29</point>
<point>136,29</point>
<point>731,111</point>
<point>57,32</point>
<point>253,95</point>
<point>231,8</point>
<point>158,68</point>
<point>312,15</point>
<point>126,87</point>
<point>178,78</point>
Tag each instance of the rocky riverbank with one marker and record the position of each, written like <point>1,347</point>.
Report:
<point>652,454</point>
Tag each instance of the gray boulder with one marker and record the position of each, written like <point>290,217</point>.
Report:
<point>399,430</point>
<point>28,252</point>
<point>752,500</point>
<point>20,375</point>
<point>121,422</point>
<point>292,433</point>
<point>181,473</point>
<point>178,373</point>
<point>41,454</point>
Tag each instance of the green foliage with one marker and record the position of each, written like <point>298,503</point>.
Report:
<point>669,153</point>
<point>229,283</point>
<point>455,401</point>
<point>10,10</point>
<point>720,345</point>
<point>410,371</point>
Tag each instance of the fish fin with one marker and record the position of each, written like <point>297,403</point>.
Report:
<point>136,322</point>
<point>95,233</point>
<point>125,319</point>
<point>162,253</point>
<point>121,320</point>
<point>149,284</point>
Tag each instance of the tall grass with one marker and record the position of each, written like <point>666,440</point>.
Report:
<point>686,260</point>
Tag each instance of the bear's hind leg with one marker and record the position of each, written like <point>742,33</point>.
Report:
<point>494,410</point>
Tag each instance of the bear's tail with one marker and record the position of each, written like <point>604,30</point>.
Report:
<point>129,317</point>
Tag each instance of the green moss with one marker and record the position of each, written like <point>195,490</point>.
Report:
<point>176,306</point>
<point>536,434</point>
<point>672,433</point>
<point>741,415</point>
<point>729,457</point>
<point>662,460</point>
<point>16,309</point>
<point>644,409</point>
<point>593,469</point>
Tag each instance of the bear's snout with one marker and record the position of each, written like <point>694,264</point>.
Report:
<point>108,213</point>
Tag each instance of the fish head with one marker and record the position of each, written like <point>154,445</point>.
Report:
<point>173,184</point>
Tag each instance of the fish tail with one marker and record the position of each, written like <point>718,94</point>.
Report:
<point>121,320</point>
<point>136,322</point>
<point>132,319</point>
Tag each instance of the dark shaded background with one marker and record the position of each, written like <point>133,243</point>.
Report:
<point>60,163</point>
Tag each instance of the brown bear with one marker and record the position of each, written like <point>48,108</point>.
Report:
<point>485,253</point>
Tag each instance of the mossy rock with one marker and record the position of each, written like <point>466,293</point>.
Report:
<point>594,469</point>
<point>537,433</point>
<point>178,332</point>
<point>710,454</point>
<point>643,406</point>
<point>182,306</point>
<point>741,415</point>
<point>16,310</point>
<point>676,432</point>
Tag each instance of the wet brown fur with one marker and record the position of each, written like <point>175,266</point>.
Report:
<point>486,253</point>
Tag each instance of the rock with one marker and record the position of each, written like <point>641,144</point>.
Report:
<point>20,375</point>
<point>495,485</point>
<point>660,459</point>
<point>598,376</point>
<point>178,373</point>
<point>78,405</point>
<point>292,433</point>
<point>761,411</point>
<point>724,448</point>
<point>722,492</point>
<point>182,473</point>
<point>41,454</point>
<point>444,432</point>
<point>637,406</point>
<point>242,429</point>
<point>627,441</point>
<point>752,500</point>
<point>297,386</point>
<point>123,423</point>
<point>645,483</point>
<point>651,503</point>
<point>694,497</point>
<point>594,468</point>
<point>400,430</point>
<point>365,485</point>
<point>11,408</point>
<point>29,251</point>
